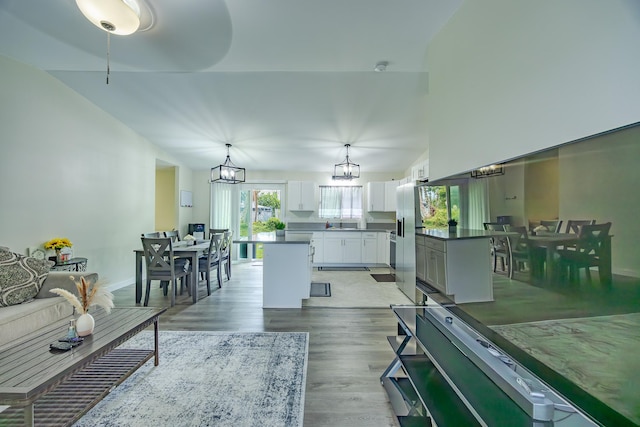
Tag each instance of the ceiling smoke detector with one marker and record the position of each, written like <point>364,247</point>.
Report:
<point>381,66</point>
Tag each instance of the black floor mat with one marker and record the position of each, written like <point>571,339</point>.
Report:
<point>319,289</point>
<point>343,269</point>
<point>384,277</point>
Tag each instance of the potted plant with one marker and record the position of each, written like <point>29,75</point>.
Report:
<point>453,224</point>
<point>278,225</point>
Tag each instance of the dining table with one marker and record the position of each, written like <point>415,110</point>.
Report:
<point>183,249</point>
<point>551,242</point>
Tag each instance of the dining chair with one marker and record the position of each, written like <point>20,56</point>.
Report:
<point>211,260</point>
<point>587,252</point>
<point>225,252</point>
<point>499,245</point>
<point>153,235</point>
<point>573,225</point>
<point>161,264</point>
<point>173,234</point>
<point>519,255</point>
<point>552,226</point>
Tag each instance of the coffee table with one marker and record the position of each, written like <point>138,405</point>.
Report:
<point>46,388</point>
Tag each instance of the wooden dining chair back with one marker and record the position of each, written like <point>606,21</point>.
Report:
<point>588,251</point>
<point>174,235</point>
<point>161,265</point>
<point>521,254</point>
<point>211,261</point>
<point>573,225</point>
<point>552,226</point>
<point>499,245</point>
<point>225,252</point>
<point>153,235</point>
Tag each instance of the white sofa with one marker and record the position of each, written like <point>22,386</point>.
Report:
<point>44,309</point>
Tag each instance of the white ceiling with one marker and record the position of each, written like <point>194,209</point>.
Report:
<point>286,82</point>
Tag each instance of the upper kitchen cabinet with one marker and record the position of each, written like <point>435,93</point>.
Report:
<point>301,196</point>
<point>382,196</point>
<point>420,171</point>
<point>390,188</point>
<point>375,196</point>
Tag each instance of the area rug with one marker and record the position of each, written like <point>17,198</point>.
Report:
<point>600,354</point>
<point>211,379</point>
<point>384,277</point>
<point>320,289</point>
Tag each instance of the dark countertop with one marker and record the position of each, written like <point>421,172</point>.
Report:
<point>297,238</point>
<point>460,234</point>
<point>337,229</point>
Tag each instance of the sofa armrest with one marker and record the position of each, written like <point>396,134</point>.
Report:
<point>62,279</point>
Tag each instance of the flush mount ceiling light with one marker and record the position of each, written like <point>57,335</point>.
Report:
<point>381,66</point>
<point>227,172</point>
<point>346,170</point>
<point>120,17</point>
<point>487,171</point>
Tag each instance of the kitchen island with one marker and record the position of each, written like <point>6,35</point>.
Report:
<point>286,269</point>
<point>458,264</point>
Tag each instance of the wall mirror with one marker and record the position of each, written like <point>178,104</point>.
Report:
<point>582,335</point>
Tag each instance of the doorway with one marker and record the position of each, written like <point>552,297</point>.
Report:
<point>260,206</point>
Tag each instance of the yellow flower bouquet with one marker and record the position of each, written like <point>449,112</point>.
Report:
<point>58,243</point>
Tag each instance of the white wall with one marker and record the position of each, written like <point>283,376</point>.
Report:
<point>71,170</point>
<point>509,77</point>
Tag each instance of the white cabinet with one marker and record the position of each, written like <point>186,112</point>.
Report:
<point>436,264</point>
<point>420,171</point>
<point>376,197</point>
<point>369,247</point>
<point>286,275</point>
<point>381,196</point>
<point>342,247</point>
<point>301,196</point>
<point>383,248</point>
<point>317,247</point>
<point>421,258</point>
<point>458,268</point>
<point>390,202</point>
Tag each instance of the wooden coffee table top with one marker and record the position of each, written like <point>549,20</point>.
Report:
<point>28,369</point>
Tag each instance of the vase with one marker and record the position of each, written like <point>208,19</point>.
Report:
<point>85,324</point>
<point>453,229</point>
<point>58,256</point>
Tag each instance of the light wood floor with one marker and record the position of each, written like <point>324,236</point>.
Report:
<point>348,349</point>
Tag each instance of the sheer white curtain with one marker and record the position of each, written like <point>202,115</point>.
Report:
<point>222,205</point>
<point>341,202</point>
<point>478,209</point>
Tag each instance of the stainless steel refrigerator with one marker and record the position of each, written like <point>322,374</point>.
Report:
<point>407,203</point>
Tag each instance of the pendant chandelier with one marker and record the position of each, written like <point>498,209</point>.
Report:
<point>347,170</point>
<point>487,171</point>
<point>227,172</point>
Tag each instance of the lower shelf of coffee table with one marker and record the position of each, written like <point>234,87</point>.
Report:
<point>65,404</point>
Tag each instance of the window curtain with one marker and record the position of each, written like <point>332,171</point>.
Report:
<point>340,202</point>
<point>221,205</point>
<point>478,209</point>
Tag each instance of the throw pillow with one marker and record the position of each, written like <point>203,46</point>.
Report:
<point>21,277</point>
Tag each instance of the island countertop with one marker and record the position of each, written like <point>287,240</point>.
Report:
<point>460,234</point>
<point>297,238</point>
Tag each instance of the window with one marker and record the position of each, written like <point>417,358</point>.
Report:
<point>341,202</point>
<point>438,204</point>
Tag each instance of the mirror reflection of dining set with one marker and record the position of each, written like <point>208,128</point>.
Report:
<point>550,252</point>
<point>179,264</point>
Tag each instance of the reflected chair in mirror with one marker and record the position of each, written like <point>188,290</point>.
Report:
<point>573,225</point>
<point>552,226</point>
<point>499,245</point>
<point>592,249</point>
<point>161,264</point>
<point>211,260</point>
